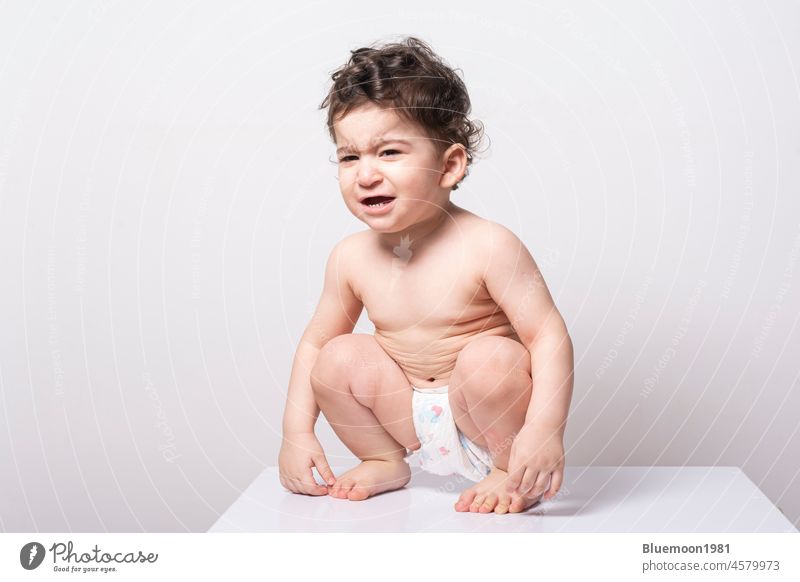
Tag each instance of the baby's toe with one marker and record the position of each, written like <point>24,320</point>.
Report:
<point>517,504</point>
<point>477,502</point>
<point>522,502</point>
<point>358,493</point>
<point>465,500</point>
<point>342,488</point>
<point>488,504</point>
<point>503,504</point>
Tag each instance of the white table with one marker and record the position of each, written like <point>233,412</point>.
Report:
<point>593,499</point>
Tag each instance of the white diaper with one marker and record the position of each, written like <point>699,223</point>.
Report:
<point>445,449</point>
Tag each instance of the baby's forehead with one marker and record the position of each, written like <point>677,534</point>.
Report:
<point>370,128</point>
<point>380,140</point>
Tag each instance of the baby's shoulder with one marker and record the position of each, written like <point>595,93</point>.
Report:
<point>356,243</point>
<point>351,249</point>
<point>487,237</point>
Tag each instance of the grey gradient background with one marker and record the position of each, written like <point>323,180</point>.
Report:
<point>167,205</point>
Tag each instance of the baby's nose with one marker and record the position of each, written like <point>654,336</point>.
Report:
<point>368,174</point>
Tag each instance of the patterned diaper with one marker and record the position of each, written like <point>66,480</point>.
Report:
<point>445,450</point>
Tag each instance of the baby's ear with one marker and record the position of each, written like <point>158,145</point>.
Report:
<point>455,165</point>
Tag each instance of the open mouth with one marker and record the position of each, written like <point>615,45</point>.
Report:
<point>377,201</point>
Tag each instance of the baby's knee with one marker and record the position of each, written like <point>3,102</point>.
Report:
<point>493,369</point>
<point>332,362</point>
<point>485,358</point>
<point>342,366</point>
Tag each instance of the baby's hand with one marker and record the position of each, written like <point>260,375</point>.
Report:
<point>299,453</point>
<point>537,456</point>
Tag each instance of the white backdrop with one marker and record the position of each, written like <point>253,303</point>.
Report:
<point>167,205</point>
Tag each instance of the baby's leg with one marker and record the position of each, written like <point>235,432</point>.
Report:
<point>490,390</point>
<point>367,400</point>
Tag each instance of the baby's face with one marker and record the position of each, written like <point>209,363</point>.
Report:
<point>389,162</point>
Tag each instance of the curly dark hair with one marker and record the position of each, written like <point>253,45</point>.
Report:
<point>409,77</point>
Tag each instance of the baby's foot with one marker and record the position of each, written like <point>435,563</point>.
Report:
<point>490,496</point>
<point>370,478</point>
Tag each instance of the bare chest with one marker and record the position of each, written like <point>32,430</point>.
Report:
<point>439,293</point>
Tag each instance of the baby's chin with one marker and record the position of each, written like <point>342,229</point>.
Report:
<point>380,225</point>
<point>391,229</point>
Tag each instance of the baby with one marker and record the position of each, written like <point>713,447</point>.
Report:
<point>470,368</point>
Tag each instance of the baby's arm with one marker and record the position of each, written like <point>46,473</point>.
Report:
<point>336,314</point>
<point>517,286</point>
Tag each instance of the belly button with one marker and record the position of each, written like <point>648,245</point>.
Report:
<point>431,379</point>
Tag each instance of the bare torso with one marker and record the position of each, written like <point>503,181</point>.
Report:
<point>426,298</point>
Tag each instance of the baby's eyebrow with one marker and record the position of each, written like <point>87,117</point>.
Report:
<point>377,143</point>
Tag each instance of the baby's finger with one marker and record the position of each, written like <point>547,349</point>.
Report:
<point>321,463</point>
<point>287,482</point>
<point>555,484</point>
<point>528,481</point>
<point>541,484</point>
<point>514,478</point>
<point>309,485</point>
